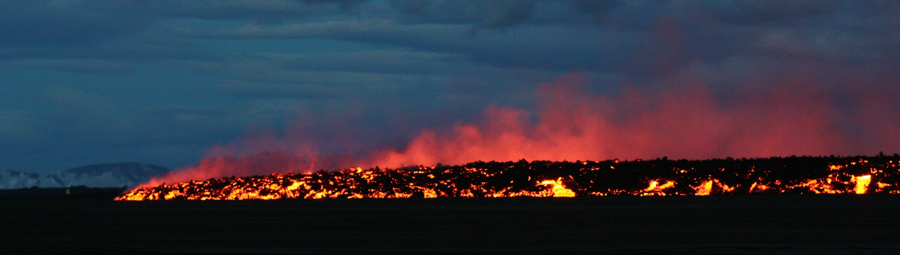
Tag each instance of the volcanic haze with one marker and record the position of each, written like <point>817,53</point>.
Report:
<point>691,121</point>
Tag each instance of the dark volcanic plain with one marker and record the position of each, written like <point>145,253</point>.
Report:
<point>748,224</point>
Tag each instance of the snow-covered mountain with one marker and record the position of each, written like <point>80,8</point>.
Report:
<point>100,175</point>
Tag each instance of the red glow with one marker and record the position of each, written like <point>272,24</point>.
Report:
<point>681,123</point>
<point>571,123</point>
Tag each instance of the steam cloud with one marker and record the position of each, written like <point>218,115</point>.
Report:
<point>690,122</point>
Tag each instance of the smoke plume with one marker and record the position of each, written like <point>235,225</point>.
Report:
<point>795,117</point>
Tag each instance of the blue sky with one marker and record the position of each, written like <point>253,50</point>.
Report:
<point>162,82</point>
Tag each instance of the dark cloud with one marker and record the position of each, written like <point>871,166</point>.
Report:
<point>72,65</point>
<point>378,61</point>
<point>258,11</point>
<point>501,15</point>
<point>291,90</point>
<point>771,13</point>
<point>597,10</point>
<point>345,4</point>
<point>491,14</point>
<point>546,47</point>
<point>54,23</point>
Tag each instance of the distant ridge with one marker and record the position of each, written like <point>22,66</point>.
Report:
<point>98,175</point>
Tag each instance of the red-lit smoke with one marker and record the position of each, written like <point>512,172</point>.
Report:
<point>792,118</point>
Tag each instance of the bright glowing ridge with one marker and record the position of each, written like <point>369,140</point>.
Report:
<point>660,177</point>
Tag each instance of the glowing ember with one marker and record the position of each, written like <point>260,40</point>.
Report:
<point>660,177</point>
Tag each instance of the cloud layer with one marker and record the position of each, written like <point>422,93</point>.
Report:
<point>163,81</point>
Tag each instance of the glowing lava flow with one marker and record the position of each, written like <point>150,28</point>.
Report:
<point>558,189</point>
<point>660,177</point>
<point>862,183</point>
<point>657,190</point>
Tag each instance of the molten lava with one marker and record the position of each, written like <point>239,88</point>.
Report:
<point>660,177</point>
<point>558,189</point>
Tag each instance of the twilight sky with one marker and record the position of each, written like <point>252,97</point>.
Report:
<point>398,82</point>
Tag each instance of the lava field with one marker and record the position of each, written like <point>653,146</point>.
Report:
<point>657,177</point>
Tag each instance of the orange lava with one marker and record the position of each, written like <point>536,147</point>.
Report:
<point>553,179</point>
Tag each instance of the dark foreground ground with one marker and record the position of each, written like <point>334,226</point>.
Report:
<point>760,224</point>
